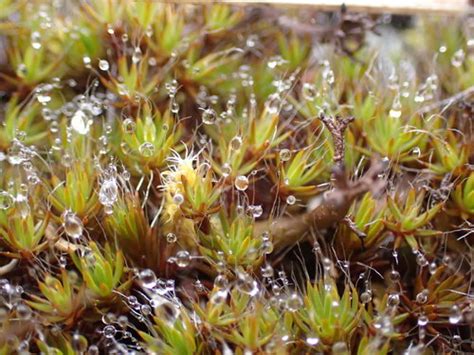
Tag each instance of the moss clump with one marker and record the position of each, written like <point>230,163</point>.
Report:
<point>212,179</point>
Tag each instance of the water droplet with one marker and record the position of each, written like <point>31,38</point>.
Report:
<point>236,143</point>
<point>6,200</point>
<point>148,278</point>
<point>43,99</point>
<point>456,340</point>
<point>442,49</point>
<point>458,58</point>
<point>108,192</point>
<point>171,238</point>
<point>246,284</point>
<point>109,331</point>
<point>36,40</point>
<point>285,154</point>
<point>422,296</point>
<point>312,340</point>
<point>241,183</point>
<point>256,210</point>
<point>366,297</point>
<point>72,224</point>
<point>421,259</point>
<point>226,170</point>
<point>21,70</point>
<point>128,126</point>
<point>309,92</point>
<point>396,110</point>
<point>80,122</point>
<point>147,149</point>
<point>137,55</point>
<point>393,300</point>
<point>267,270</point>
<point>103,65</point>
<point>416,151</point>
<point>178,198</point>
<point>291,200</point>
<point>209,116</point>
<point>221,281</point>
<point>455,314</point>
<point>294,302</point>
<point>273,104</point>
<point>87,61</point>
<point>219,297</point>
<point>422,320</point>
<point>183,258</point>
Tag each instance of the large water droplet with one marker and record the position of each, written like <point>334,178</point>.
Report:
<point>148,278</point>
<point>209,116</point>
<point>104,65</point>
<point>241,183</point>
<point>147,149</point>
<point>108,192</point>
<point>72,224</point>
<point>80,122</point>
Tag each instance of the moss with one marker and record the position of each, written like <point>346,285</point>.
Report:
<point>185,179</point>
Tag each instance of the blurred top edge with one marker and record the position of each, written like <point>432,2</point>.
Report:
<point>379,6</point>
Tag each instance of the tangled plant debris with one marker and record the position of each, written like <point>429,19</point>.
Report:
<point>180,179</point>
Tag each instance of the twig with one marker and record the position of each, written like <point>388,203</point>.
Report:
<point>448,101</point>
<point>5,269</point>
<point>335,204</point>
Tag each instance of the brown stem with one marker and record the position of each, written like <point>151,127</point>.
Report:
<point>287,231</point>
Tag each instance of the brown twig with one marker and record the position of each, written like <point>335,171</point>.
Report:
<point>460,96</point>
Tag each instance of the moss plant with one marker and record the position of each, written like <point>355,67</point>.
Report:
<point>216,179</point>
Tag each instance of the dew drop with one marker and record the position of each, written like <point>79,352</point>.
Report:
<point>267,270</point>
<point>294,302</point>
<point>423,320</point>
<point>285,154</point>
<point>458,58</point>
<point>309,92</point>
<point>236,143</point>
<point>312,340</point>
<point>393,300</point>
<point>80,122</point>
<point>366,297</point>
<point>422,296</point>
<point>178,198</point>
<point>291,200</point>
<point>396,110</point>
<point>147,149</point>
<point>108,192</point>
<point>246,284</point>
<point>209,116</point>
<point>183,258</point>
<point>6,200</point>
<point>128,126</point>
<point>148,278</point>
<point>72,224</point>
<point>226,170</point>
<point>171,238</point>
<point>455,314</point>
<point>36,40</point>
<point>109,331</point>
<point>241,183</point>
<point>137,55</point>
<point>104,65</point>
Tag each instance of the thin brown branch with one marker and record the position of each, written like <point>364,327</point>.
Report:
<point>460,96</point>
<point>335,204</point>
